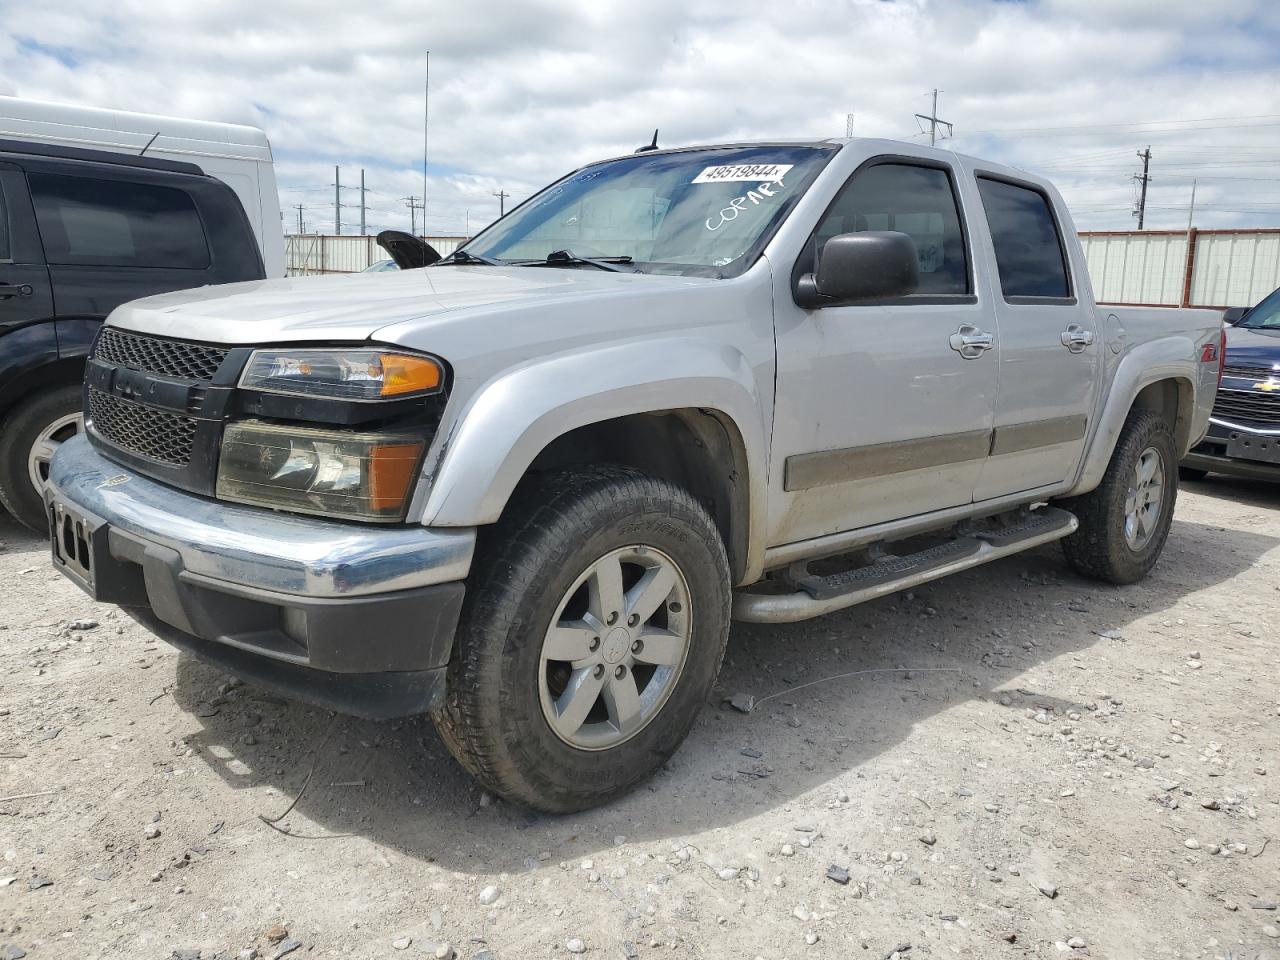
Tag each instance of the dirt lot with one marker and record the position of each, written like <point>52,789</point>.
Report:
<point>1027,765</point>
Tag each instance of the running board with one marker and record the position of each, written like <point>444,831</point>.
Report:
<point>888,574</point>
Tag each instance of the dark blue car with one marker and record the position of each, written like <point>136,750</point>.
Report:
<point>1244,431</point>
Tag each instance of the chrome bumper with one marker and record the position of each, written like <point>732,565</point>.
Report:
<point>253,547</point>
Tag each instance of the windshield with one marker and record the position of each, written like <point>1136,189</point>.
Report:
<point>693,212</point>
<point>1266,315</point>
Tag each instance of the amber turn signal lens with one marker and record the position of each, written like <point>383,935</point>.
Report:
<point>392,467</point>
<point>404,374</point>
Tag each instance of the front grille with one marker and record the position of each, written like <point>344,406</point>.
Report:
<point>170,358</point>
<point>140,429</point>
<point>1253,373</point>
<point>1254,406</point>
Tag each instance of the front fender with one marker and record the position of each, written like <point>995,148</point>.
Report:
<point>513,417</point>
<point>1168,358</point>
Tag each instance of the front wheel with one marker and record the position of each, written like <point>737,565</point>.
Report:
<point>29,437</point>
<point>1125,521</point>
<point>591,636</point>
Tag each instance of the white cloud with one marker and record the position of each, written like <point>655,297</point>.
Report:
<point>523,91</point>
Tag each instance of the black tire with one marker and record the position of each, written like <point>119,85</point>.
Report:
<point>1192,474</point>
<point>1099,548</point>
<point>18,433</point>
<point>555,529</point>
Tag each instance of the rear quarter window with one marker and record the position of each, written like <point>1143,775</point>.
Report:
<point>96,221</point>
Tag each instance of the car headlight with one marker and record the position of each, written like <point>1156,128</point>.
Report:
<point>357,476</point>
<point>350,374</point>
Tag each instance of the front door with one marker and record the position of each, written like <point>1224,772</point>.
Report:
<point>1049,346</point>
<point>884,411</point>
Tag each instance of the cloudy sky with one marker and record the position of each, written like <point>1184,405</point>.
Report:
<point>523,90</point>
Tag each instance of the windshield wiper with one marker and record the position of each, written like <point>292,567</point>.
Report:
<point>558,258</point>
<point>466,256</point>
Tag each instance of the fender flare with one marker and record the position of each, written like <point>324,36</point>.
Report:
<point>514,416</point>
<point>1169,358</point>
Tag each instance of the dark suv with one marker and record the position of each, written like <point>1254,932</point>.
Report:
<point>82,231</point>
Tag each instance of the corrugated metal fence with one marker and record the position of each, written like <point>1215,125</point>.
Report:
<point>1195,268</point>
<point>311,254</point>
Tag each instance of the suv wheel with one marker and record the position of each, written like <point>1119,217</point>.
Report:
<point>593,631</point>
<point>1125,521</point>
<point>29,437</point>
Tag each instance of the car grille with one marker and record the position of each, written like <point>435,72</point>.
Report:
<point>170,358</point>
<point>1254,406</point>
<point>140,429</point>
<point>1253,373</point>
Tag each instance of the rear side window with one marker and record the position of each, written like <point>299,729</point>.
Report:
<point>6,252</point>
<point>92,221</point>
<point>1028,248</point>
<point>914,200</point>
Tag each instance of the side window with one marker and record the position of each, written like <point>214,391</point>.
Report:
<point>6,251</point>
<point>1028,248</point>
<point>91,221</point>
<point>917,201</point>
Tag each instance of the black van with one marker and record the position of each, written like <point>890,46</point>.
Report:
<point>81,232</point>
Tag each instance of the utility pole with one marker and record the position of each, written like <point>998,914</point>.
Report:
<point>337,202</point>
<point>848,124</point>
<point>1144,179</point>
<point>298,207</point>
<point>934,121</point>
<point>362,201</point>
<point>415,204</point>
<point>502,202</point>
<point>1192,211</point>
<point>426,122</point>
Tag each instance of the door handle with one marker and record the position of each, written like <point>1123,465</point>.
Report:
<point>1075,338</point>
<point>10,290</point>
<point>970,342</point>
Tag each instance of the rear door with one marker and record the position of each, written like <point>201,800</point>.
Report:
<point>1049,344</point>
<point>26,296</point>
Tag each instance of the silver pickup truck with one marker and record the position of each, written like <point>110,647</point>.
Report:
<point>526,487</point>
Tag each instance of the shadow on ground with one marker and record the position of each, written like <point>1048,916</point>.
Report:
<point>395,784</point>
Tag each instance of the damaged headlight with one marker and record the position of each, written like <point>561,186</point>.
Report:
<point>343,374</point>
<point>358,476</point>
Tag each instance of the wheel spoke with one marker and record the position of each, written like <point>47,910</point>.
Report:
<point>605,587</point>
<point>622,700</point>
<point>578,698</point>
<point>650,592</point>
<point>1147,467</point>
<point>660,648</point>
<point>570,640</point>
<point>1146,521</point>
<point>42,450</point>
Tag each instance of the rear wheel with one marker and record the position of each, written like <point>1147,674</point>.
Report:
<point>1125,521</point>
<point>29,437</point>
<point>592,633</point>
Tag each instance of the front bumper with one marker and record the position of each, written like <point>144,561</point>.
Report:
<point>1237,450</point>
<point>355,618</point>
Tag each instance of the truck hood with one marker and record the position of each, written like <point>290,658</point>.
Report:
<point>355,307</point>
<point>1253,348</point>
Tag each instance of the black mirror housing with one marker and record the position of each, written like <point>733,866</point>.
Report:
<point>1233,315</point>
<point>861,267</point>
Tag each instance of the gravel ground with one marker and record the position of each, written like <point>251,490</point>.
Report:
<point>1025,764</point>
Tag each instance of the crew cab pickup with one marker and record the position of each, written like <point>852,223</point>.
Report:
<point>526,487</point>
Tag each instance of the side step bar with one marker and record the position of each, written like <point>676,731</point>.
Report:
<point>820,595</point>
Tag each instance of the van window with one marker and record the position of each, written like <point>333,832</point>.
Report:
<point>5,253</point>
<point>92,221</point>
<point>918,201</point>
<point>1028,249</point>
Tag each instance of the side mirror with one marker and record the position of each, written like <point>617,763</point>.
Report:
<point>857,267</point>
<point>1233,315</point>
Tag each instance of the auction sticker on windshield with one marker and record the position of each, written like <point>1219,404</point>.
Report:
<point>741,172</point>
